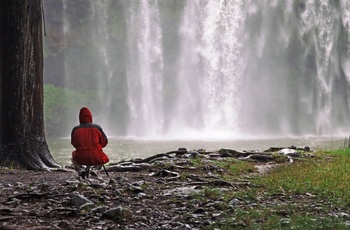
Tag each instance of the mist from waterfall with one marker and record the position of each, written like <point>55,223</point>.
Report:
<point>214,68</point>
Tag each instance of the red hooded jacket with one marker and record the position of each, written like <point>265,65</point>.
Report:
<point>88,139</point>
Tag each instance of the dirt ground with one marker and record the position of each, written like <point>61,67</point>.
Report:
<point>172,196</point>
<point>43,200</point>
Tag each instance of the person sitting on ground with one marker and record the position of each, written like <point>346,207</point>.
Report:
<point>88,139</point>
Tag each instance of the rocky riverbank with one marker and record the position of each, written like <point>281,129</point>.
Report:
<point>176,190</point>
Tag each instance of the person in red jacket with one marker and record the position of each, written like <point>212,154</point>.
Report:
<point>88,139</point>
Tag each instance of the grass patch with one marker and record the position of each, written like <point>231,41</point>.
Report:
<point>311,193</point>
<point>265,219</point>
<point>325,177</point>
<point>230,166</point>
<point>236,167</point>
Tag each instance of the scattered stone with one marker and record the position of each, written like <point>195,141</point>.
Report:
<point>166,173</point>
<point>139,183</point>
<point>307,149</point>
<point>193,154</point>
<point>182,150</point>
<point>79,200</point>
<point>214,155</point>
<point>20,185</point>
<point>135,189</point>
<point>114,213</point>
<point>64,225</point>
<point>289,152</point>
<point>234,202</point>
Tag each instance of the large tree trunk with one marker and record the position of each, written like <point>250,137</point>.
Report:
<point>22,135</point>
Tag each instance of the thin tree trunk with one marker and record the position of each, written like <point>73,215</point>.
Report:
<point>22,136</point>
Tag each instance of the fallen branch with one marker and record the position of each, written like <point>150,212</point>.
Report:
<point>210,182</point>
<point>73,211</point>
<point>149,159</point>
<point>128,168</point>
<point>259,157</point>
<point>168,175</point>
<point>30,196</point>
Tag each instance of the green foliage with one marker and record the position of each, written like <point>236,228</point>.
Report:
<point>61,107</point>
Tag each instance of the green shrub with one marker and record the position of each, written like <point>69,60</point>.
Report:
<point>61,107</point>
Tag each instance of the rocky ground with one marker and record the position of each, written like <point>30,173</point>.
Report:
<point>161,192</point>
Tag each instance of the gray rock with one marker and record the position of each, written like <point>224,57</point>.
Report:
<point>135,189</point>
<point>86,206</point>
<point>289,152</point>
<point>193,154</point>
<point>214,155</point>
<point>340,214</point>
<point>20,185</point>
<point>184,150</point>
<point>138,183</point>
<point>113,213</point>
<point>79,200</point>
<point>64,225</point>
<point>234,202</point>
<point>141,194</point>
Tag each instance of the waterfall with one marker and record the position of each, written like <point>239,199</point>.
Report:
<point>144,70</point>
<point>294,51</point>
<point>211,68</point>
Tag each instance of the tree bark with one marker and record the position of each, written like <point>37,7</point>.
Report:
<point>22,135</point>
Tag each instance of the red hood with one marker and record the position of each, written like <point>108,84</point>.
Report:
<point>85,115</point>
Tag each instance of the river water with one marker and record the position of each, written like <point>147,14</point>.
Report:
<point>128,148</point>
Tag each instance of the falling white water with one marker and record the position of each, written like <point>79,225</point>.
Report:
<point>290,84</point>
<point>319,18</point>
<point>221,52</point>
<point>324,24</point>
<point>209,67</point>
<point>188,112</point>
<point>144,72</point>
